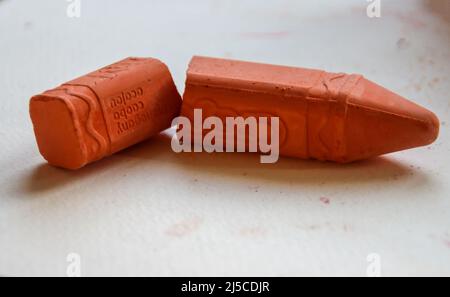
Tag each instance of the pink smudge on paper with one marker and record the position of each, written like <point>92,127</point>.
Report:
<point>325,200</point>
<point>447,243</point>
<point>184,227</point>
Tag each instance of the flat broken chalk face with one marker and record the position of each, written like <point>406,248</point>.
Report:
<point>57,133</point>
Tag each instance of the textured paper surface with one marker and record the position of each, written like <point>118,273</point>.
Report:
<point>149,211</point>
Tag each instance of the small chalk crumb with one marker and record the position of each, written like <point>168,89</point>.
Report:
<point>27,25</point>
<point>402,43</point>
<point>417,87</point>
<point>325,200</point>
<point>433,82</point>
<point>254,188</point>
<point>314,227</point>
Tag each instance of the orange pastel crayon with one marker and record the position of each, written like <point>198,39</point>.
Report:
<point>325,116</point>
<point>103,112</point>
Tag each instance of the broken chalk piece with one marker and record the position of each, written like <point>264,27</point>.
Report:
<point>103,112</point>
<point>324,116</point>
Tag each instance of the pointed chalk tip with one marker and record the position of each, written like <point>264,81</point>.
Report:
<point>383,122</point>
<point>432,127</point>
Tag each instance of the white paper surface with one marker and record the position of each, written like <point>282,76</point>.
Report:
<point>148,211</point>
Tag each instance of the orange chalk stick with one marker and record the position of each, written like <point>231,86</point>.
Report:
<point>103,112</point>
<point>324,116</point>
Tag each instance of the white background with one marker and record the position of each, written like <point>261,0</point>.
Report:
<point>149,211</point>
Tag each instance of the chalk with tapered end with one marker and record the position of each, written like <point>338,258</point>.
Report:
<point>325,116</point>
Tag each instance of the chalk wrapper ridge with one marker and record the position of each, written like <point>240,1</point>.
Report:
<point>325,116</point>
<point>103,112</point>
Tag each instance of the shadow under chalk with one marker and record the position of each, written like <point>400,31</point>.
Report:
<point>237,167</point>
